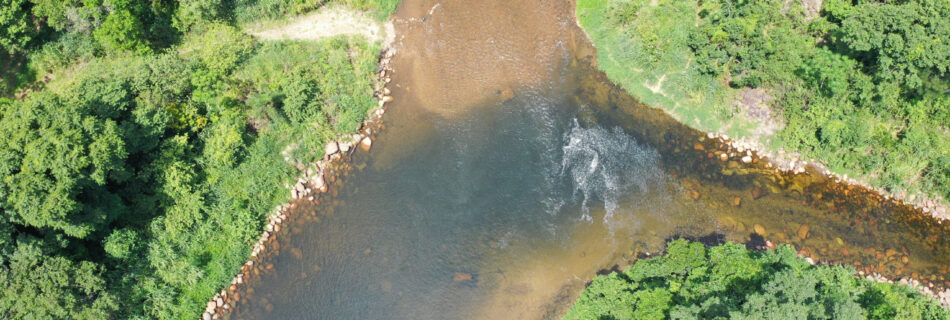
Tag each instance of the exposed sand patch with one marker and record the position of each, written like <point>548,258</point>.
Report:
<point>327,22</point>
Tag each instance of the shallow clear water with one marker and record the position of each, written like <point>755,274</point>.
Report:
<point>498,195</point>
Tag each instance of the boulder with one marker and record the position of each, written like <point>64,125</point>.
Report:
<point>332,148</point>
<point>366,144</point>
<point>320,184</point>
<point>746,159</point>
<point>206,316</point>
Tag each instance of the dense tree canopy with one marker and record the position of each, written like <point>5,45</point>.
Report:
<point>728,281</point>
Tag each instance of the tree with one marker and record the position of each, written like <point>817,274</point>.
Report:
<point>729,281</point>
<point>59,152</point>
<point>36,286</point>
<point>121,31</point>
<point>16,30</point>
<point>901,42</point>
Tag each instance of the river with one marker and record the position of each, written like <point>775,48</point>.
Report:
<point>509,172</point>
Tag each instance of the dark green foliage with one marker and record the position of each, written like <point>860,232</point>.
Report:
<point>730,282</point>
<point>38,286</point>
<point>16,29</point>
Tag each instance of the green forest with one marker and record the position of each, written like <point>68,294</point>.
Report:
<point>691,281</point>
<point>862,86</point>
<point>142,141</point>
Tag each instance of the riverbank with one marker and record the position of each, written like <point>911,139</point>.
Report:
<point>148,160</point>
<point>315,177</point>
<point>649,50</point>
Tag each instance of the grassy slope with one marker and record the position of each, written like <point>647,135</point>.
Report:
<point>894,149</point>
<point>637,63</point>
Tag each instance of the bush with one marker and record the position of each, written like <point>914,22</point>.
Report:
<point>121,31</point>
<point>691,281</point>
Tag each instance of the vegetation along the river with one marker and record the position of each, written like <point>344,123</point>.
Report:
<point>862,86</point>
<point>729,281</point>
<point>141,145</point>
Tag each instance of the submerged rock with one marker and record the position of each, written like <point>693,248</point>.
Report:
<point>506,94</point>
<point>803,231</point>
<point>366,143</point>
<point>462,276</point>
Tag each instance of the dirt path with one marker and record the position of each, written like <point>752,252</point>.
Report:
<point>327,22</point>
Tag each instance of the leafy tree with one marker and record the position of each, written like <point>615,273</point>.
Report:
<point>121,31</point>
<point>728,281</point>
<point>902,42</point>
<point>195,14</point>
<point>37,286</point>
<point>16,30</point>
<point>60,152</point>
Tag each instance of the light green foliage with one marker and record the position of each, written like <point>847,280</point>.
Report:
<point>220,48</point>
<point>861,87</point>
<point>121,32</point>
<point>256,10</point>
<point>646,50</point>
<point>60,150</point>
<point>195,14</point>
<point>121,243</point>
<point>731,282</point>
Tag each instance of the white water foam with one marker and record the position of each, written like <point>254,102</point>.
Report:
<point>606,166</point>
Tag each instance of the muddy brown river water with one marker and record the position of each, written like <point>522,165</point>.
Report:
<point>509,172</point>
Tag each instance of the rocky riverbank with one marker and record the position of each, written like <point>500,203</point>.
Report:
<point>316,179</point>
<point>793,162</point>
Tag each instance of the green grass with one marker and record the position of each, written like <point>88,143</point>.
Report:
<point>246,11</point>
<point>638,50</point>
<point>864,109</point>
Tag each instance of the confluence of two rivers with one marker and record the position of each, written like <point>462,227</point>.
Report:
<point>509,172</point>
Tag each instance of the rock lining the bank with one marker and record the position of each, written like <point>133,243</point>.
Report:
<point>315,180</point>
<point>793,162</point>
